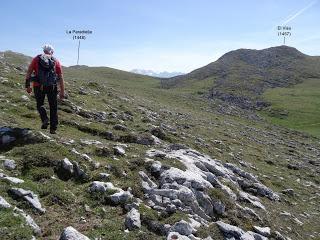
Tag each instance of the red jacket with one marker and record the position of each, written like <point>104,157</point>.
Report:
<point>35,65</point>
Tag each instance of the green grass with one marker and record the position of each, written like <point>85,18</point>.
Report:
<point>13,227</point>
<point>296,107</point>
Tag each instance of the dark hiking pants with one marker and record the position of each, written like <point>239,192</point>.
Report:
<point>51,93</point>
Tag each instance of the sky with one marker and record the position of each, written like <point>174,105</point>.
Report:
<point>160,35</point>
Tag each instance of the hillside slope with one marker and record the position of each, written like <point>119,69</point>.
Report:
<point>134,161</point>
<point>240,77</point>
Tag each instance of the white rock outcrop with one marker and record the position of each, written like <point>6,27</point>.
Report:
<point>71,233</point>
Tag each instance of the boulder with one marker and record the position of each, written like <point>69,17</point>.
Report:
<point>264,231</point>
<point>230,230</point>
<point>28,196</point>
<point>120,197</point>
<point>65,170</point>
<point>159,133</point>
<point>289,192</point>
<point>12,180</point>
<point>183,228</point>
<point>146,139</point>
<point>25,98</point>
<point>10,137</point>
<point>9,164</point>
<point>176,236</point>
<point>119,151</point>
<point>4,203</point>
<point>80,173</point>
<point>120,127</point>
<point>104,176</point>
<point>133,219</point>
<point>70,233</point>
<point>98,186</point>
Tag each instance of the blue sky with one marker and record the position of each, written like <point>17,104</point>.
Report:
<point>171,35</point>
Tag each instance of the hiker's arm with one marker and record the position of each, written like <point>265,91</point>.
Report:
<point>60,79</point>
<point>61,83</point>
<point>28,78</point>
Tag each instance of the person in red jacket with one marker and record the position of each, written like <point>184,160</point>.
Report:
<point>45,72</point>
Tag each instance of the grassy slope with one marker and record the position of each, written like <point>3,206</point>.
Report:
<point>252,142</point>
<point>296,107</point>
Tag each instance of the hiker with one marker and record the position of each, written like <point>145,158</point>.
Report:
<point>46,73</point>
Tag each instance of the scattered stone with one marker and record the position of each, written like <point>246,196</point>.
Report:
<point>9,164</point>
<point>79,173</point>
<point>293,166</point>
<point>285,214</point>
<point>120,197</point>
<point>103,151</point>
<point>159,133</point>
<point>4,203</point>
<point>29,220</point>
<point>156,168</point>
<point>230,230</point>
<point>288,191</point>
<point>120,127</point>
<point>233,232</point>
<point>10,137</point>
<point>183,228</point>
<point>176,236</point>
<point>119,151</point>
<point>133,219</point>
<point>97,186</point>
<point>28,196</point>
<point>65,170</point>
<point>146,139</point>
<point>70,233</point>
<point>104,176</point>
<point>87,208</point>
<point>264,231</point>
<point>90,142</point>
<point>25,98</point>
<point>278,236</point>
<point>12,180</point>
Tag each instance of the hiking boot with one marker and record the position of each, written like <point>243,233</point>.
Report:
<point>53,131</point>
<point>45,124</point>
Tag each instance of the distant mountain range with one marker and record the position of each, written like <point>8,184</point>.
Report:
<point>151,73</point>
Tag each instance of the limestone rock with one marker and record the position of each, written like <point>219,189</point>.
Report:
<point>176,236</point>
<point>118,150</point>
<point>4,203</point>
<point>230,230</point>
<point>28,196</point>
<point>98,186</point>
<point>9,164</point>
<point>66,169</point>
<point>29,220</point>
<point>70,233</point>
<point>12,180</point>
<point>265,231</point>
<point>183,228</point>
<point>120,197</point>
<point>133,219</point>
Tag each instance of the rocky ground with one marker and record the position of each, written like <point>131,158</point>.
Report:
<point>132,161</point>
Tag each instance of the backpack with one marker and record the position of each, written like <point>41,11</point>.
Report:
<point>47,70</point>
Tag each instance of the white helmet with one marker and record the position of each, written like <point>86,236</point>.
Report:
<point>47,48</point>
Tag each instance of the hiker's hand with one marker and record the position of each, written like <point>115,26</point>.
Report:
<point>29,90</point>
<point>61,95</point>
